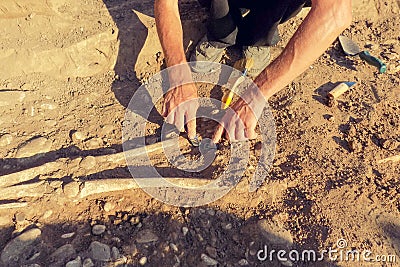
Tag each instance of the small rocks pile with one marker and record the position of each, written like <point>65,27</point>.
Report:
<point>208,238</point>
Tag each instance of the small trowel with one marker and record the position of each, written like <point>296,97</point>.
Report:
<point>350,48</point>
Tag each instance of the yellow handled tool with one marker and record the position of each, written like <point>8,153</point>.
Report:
<point>243,65</point>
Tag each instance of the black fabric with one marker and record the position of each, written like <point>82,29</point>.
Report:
<point>227,27</point>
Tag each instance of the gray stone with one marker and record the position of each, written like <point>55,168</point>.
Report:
<point>33,147</point>
<point>68,235</point>
<point>146,236</point>
<point>5,140</point>
<point>115,253</point>
<point>75,263</point>
<point>98,229</point>
<point>88,263</point>
<point>208,260</point>
<point>100,251</point>
<point>20,245</point>
<point>243,262</point>
<point>62,255</point>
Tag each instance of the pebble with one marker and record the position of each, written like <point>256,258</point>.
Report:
<point>19,245</point>
<point>211,251</point>
<point>108,206</point>
<point>88,263</point>
<point>243,262</point>
<point>78,136</point>
<point>88,163</point>
<point>98,229</point>
<point>115,253</point>
<point>94,143</point>
<point>143,261</point>
<point>5,139</point>
<point>75,263</point>
<point>185,230</point>
<point>63,253</point>
<point>19,217</point>
<point>208,260</point>
<point>146,236</point>
<point>11,98</point>
<point>100,251</point>
<point>174,247</point>
<point>71,189</point>
<point>68,235</point>
<point>33,147</point>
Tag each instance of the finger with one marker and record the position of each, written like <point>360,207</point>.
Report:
<point>191,122</point>
<point>239,132</point>
<point>164,109</point>
<point>170,118</point>
<point>218,134</point>
<point>250,133</point>
<point>179,120</point>
<point>230,132</point>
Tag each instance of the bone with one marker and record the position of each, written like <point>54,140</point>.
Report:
<point>393,158</point>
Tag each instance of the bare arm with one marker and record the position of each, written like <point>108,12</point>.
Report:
<point>180,104</point>
<point>325,21</point>
<point>169,29</point>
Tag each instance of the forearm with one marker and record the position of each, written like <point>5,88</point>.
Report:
<point>169,29</point>
<point>325,21</point>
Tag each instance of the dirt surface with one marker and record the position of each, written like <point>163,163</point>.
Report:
<point>68,70</point>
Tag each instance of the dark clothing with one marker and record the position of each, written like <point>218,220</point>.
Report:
<point>226,26</point>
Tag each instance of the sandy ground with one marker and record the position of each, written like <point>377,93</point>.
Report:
<point>68,70</point>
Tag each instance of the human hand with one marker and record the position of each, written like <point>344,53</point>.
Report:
<point>180,102</point>
<point>240,120</point>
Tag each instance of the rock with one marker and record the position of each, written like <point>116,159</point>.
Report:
<point>88,263</point>
<point>108,206</point>
<point>115,253</point>
<point>22,244</point>
<point>98,229</point>
<point>77,136</point>
<point>11,98</point>
<point>208,260</point>
<point>146,236</point>
<point>143,261</point>
<point>88,163</point>
<point>100,251</point>
<point>185,230</point>
<point>19,217</point>
<point>68,235</point>
<point>107,129</point>
<point>71,189</point>
<point>62,255</point>
<point>26,87</point>
<point>274,234</point>
<point>37,145</point>
<point>211,251</point>
<point>75,263</point>
<point>5,139</point>
<point>174,247</point>
<point>243,262</point>
<point>94,143</point>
